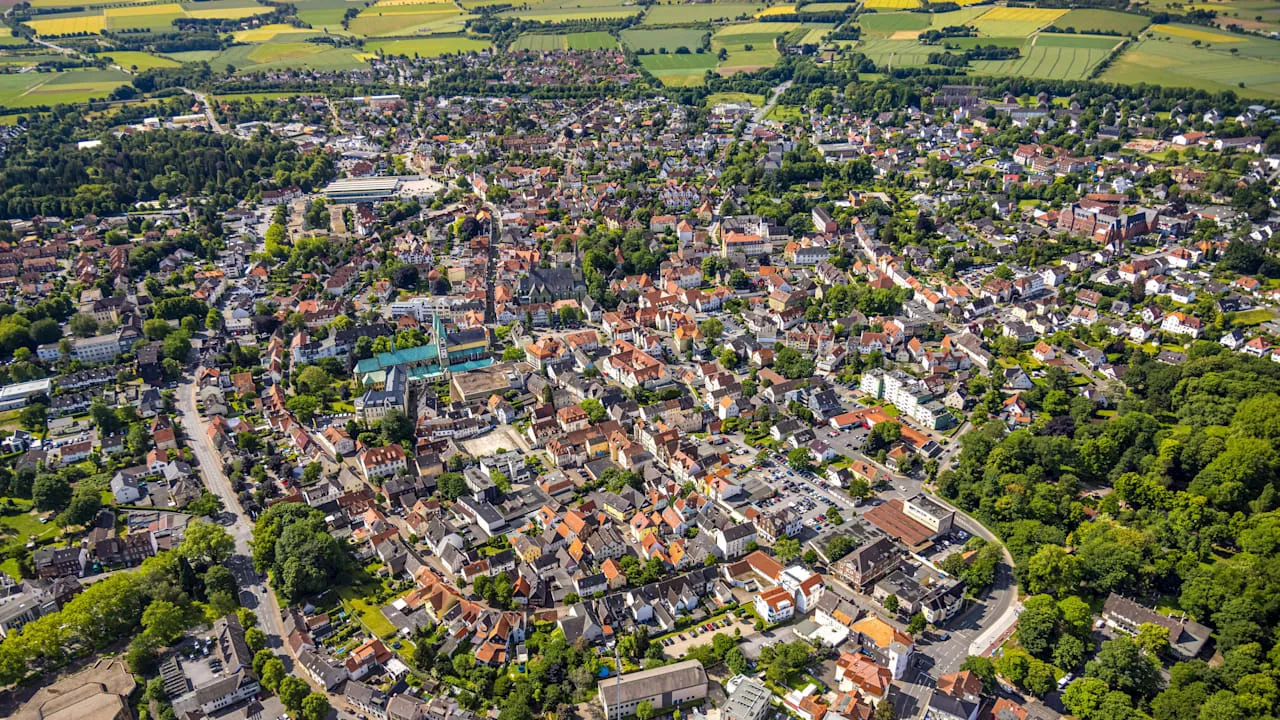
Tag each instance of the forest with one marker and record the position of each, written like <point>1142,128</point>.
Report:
<point>1172,502</point>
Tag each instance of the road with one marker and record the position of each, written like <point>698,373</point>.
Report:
<point>208,110</point>
<point>495,231</point>
<point>773,100</point>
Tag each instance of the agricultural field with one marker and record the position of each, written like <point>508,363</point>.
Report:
<point>125,16</point>
<point>1088,20</point>
<point>896,53</point>
<point>323,14</point>
<point>291,53</point>
<point>760,37</point>
<point>777,11</point>
<point>1066,57</point>
<point>657,40</point>
<point>189,56</point>
<point>427,47</point>
<point>1189,32</point>
<point>679,70</point>
<point>891,4</point>
<point>568,41</point>
<point>822,7</point>
<point>1254,15</point>
<point>1015,22</point>
<point>886,24</point>
<point>140,61</point>
<point>22,90</point>
<point>1249,66</point>
<point>266,33</point>
<point>706,12</point>
<point>402,20</point>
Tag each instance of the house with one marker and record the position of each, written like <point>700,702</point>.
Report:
<point>383,462</point>
<point>234,682</point>
<point>1187,638</point>
<point>663,687</point>
<point>775,605</point>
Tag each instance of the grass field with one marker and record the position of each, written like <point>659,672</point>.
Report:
<point>427,47</point>
<point>567,41</point>
<point>405,20</point>
<point>1015,22</point>
<point>668,38</point>
<point>140,60</point>
<point>323,14</point>
<point>193,55</point>
<point>1087,20</point>
<point>1252,70</point>
<point>725,98</point>
<point>22,90</point>
<point>707,12</point>
<point>890,4</point>
<point>679,70</point>
<point>898,53</point>
<point>292,52</point>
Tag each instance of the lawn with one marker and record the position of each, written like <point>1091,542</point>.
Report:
<point>668,38</point>
<point>353,600</point>
<point>18,523</point>
<point>706,12</point>
<point>1087,20</point>
<point>1248,66</point>
<point>139,60</point>
<point>1015,22</point>
<point>427,47</point>
<point>1257,316</point>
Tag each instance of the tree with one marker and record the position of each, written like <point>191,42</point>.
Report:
<point>1053,570</point>
<point>218,578</point>
<point>711,329</point>
<point>983,668</point>
<point>177,346</point>
<point>272,674</point>
<point>164,621</point>
<point>644,710</point>
<point>292,691</point>
<point>51,492</point>
<point>315,707</point>
<point>800,459</point>
<point>84,506</point>
<point>786,549</point>
<point>1153,639</point>
<point>255,639</point>
<point>595,410</point>
<point>736,660</point>
<point>156,329</point>
<point>83,325</point>
<point>34,417</point>
<point>917,624</point>
<point>1123,666</point>
<point>1084,696</point>
<point>303,407</point>
<point>206,544</point>
<point>395,427</point>
<point>891,604</point>
<point>885,711</point>
<point>313,380</point>
<point>45,331</point>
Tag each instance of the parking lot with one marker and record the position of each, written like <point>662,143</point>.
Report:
<point>677,644</point>
<point>806,495</point>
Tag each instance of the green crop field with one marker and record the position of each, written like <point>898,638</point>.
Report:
<point>291,53</point>
<point>889,23</point>
<point>440,19</point>
<point>598,40</point>
<point>194,55</point>
<point>324,14</point>
<point>1087,20</point>
<point>679,70</point>
<point>427,47</point>
<point>560,15</point>
<point>897,53</point>
<point>22,90</point>
<point>1173,61</point>
<point>139,60</point>
<point>705,12</point>
<point>668,38</point>
<point>1045,61</point>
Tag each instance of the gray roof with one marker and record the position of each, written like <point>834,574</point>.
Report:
<point>658,681</point>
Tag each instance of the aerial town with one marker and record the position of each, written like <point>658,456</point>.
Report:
<point>957,403</point>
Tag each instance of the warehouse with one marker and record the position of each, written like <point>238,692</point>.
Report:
<point>663,687</point>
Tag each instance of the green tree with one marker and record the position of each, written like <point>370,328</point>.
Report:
<point>292,691</point>
<point>83,325</point>
<point>1153,639</point>
<point>917,624</point>
<point>164,621</point>
<point>315,707</point>
<point>800,459</point>
<point>84,506</point>
<point>255,639</point>
<point>644,710</point>
<point>1053,570</point>
<point>51,492</point>
<point>786,549</point>
<point>206,544</point>
<point>711,330</point>
<point>891,604</point>
<point>396,427</point>
<point>1123,666</point>
<point>595,410</point>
